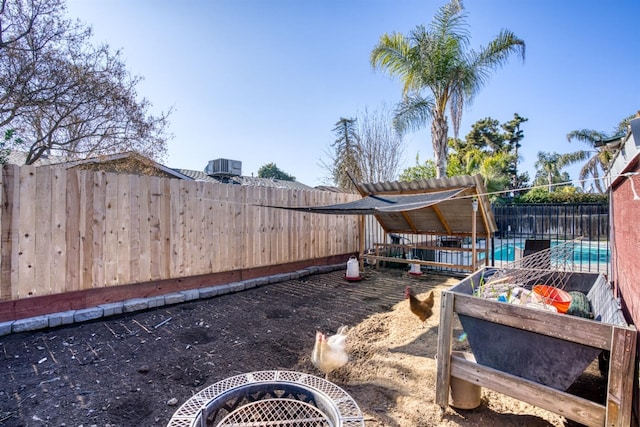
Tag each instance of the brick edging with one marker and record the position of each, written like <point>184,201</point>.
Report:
<point>138,304</point>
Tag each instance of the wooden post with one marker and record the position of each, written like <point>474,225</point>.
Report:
<point>474,255</point>
<point>443,358</point>
<point>361,240</point>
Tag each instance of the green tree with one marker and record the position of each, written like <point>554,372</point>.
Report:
<point>513,135</point>
<point>438,61</point>
<point>348,153</point>
<point>486,135</point>
<point>489,149</point>
<point>8,137</point>
<point>599,157</point>
<point>424,171</point>
<point>270,170</point>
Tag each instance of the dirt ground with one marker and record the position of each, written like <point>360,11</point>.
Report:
<point>137,369</point>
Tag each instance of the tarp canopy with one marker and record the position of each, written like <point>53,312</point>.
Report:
<point>380,204</point>
<point>438,206</point>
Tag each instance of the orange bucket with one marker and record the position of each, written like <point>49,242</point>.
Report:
<point>558,298</point>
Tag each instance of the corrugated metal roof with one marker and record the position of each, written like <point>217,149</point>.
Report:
<point>449,216</point>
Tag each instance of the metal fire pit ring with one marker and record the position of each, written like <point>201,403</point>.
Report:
<point>261,398</point>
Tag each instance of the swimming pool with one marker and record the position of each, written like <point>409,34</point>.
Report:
<point>581,253</point>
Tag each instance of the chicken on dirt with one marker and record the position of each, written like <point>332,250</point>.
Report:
<point>329,353</point>
<point>421,308</point>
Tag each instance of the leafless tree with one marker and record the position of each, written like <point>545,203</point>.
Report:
<point>368,147</point>
<point>382,147</point>
<point>64,95</point>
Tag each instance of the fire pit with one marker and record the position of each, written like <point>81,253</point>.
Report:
<point>263,398</point>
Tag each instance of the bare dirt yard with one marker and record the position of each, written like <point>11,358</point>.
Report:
<point>137,369</point>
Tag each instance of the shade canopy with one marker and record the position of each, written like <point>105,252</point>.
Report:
<point>433,206</point>
<point>376,205</point>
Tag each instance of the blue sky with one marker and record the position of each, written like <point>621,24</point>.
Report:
<point>265,81</point>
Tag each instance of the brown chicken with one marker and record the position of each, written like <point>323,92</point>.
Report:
<point>423,309</point>
<point>329,354</point>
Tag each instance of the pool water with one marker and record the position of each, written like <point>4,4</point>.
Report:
<point>581,254</point>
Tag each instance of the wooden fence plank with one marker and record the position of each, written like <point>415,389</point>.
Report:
<point>144,226</point>
<point>58,213</point>
<point>166,199</point>
<point>305,228</point>
<point>27,233</point>
<point>111,230</point>
<point>249,227</point>
<point>189,243</point>
<point>10,193</point>
<point>215,233</point>
<point>95,229</point>
<point>98,226</point>
<point>176,234</point>
<point>199,229</point>
<point>236,249</point>
<point>86,237</point>
<point>133,235</point>
<point>43,230</point>
<point>124,226</point>
<point>241,226</point>
<point>10,231</point>
<point>72,229</point>
<point>155,235</point>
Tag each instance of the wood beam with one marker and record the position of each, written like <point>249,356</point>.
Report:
<point>411,224</point>
<point>443,221</point>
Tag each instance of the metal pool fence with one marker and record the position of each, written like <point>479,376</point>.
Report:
<point>556,223</point>
<point>517,224</point>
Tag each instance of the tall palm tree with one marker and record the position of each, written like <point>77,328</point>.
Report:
<point>550,164</point>
<point>599,159</point>
<point>438,60</point>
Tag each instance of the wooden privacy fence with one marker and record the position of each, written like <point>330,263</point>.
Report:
<point>71,230</point>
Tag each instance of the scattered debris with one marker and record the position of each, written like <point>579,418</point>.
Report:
<point>141,325</point>
<point>162,323</point>
<point>50,381</point>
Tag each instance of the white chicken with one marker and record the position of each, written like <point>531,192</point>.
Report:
<point>329,353</point>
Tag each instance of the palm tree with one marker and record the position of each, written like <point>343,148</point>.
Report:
<point>438,60</point>
<point>550,164</point>
<point>598,159</point>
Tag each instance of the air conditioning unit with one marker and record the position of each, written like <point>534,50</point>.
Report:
<point>223,167</point>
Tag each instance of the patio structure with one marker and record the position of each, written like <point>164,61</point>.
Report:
<point>437,213</point>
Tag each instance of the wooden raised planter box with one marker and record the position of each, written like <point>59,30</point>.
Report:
<point>535,355</point>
